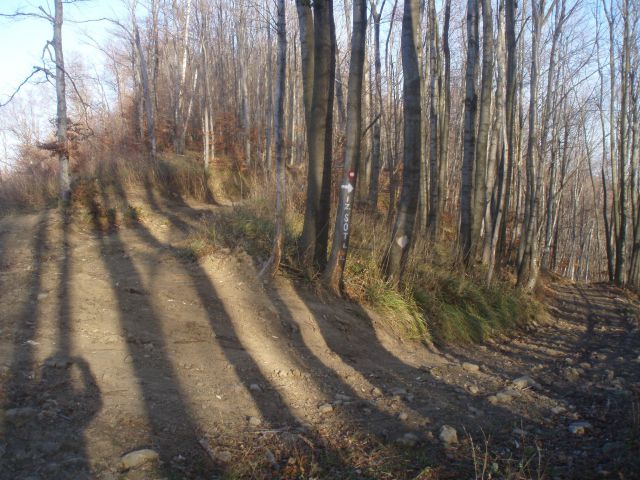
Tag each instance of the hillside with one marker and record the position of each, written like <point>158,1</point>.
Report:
<point>114,340</point>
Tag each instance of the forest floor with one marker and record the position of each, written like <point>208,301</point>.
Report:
<point>113,340</point>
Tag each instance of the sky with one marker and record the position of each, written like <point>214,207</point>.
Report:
<point>22,41</point>
<point>21,46</point>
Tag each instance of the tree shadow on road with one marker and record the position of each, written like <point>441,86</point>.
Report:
<point>403,386</point>
<point>49,404</point>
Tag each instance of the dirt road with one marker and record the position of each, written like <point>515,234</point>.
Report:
<point>113,340</point>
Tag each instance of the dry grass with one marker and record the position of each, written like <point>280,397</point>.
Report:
<point>438,301</point>
<point>35,187</point>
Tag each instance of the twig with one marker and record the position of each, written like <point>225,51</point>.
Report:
<point>35,70</point>
<point>364,132</point>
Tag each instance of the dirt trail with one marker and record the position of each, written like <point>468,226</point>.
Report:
<point>112,340</point>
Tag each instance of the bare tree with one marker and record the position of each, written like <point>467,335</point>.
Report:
<point>272,265</point>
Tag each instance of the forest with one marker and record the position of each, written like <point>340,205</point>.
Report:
<point>405,236</point>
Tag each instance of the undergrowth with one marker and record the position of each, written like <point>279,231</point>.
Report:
<point>438,302</point>
<point>28,188</point>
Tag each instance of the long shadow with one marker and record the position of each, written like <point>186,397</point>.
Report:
<point>386,364</point>
<point>391,374</point>
<point>54,406</point>
<point>172,429</point>
<point>272,406</point>
<point>19,388</point>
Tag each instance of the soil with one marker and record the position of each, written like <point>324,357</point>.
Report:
<point>113,340</point>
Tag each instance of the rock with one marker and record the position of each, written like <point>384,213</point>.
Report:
<point>325,408</point>
<point>580,428</point>
<point>471,367</point>
<point>255,421</point>
<point>254,387</point>
<point>342,398</point>
<point>518,432</point>
<point>376,392</point>
<point>19,416</point>
<point>138,458</point>
<point>448,435</point>
<point>585,365</point>
<point>524,382</point>
<point>572,374</point>
<point>222,456</point>
<point>558,410</point>
<point>403,416</point>
<point>42,296</point>
<point>407,440</point>
<point>398,392</point>
<point>505,396</point>
<point>474,390</point>
<point>58,362</point>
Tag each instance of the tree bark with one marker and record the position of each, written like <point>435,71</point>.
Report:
<point>403,229</point>
<point>344,216</point>
<point>469,151</point>
<point>61,108</point>
<point>376,159</point>
<point>272,265</point>
<point>146,90</point>
<point>319,139</point>
<point>434,124</point>
<point>484,122</point>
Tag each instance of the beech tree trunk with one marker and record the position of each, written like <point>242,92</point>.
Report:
<point>469,149</point>
<point>273,263</point>
<point>319,139</point>
<point>344,215</point>
<point>484,122</point>
<point>403,229</point>
<point>376,149</point>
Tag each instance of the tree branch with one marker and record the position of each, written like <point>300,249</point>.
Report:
<point>24,82</point>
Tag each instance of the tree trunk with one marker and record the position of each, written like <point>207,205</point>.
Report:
<point>61,108</point>
<point>319,139</point>
<point>434,124</point>
<point>377,108</point>
<point>469,151</point>
<point>621,241</point>
<point>443,161</point>
<point>273,263</point>
<point>344,216</point>
<point>484,122</point>
<point>270,107</point>
<point>499,149</point>
<point>178,115</point>
<point>307,55</point>
<point>403,229</point>
<point>148,105</point>
<point>528,267</point>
